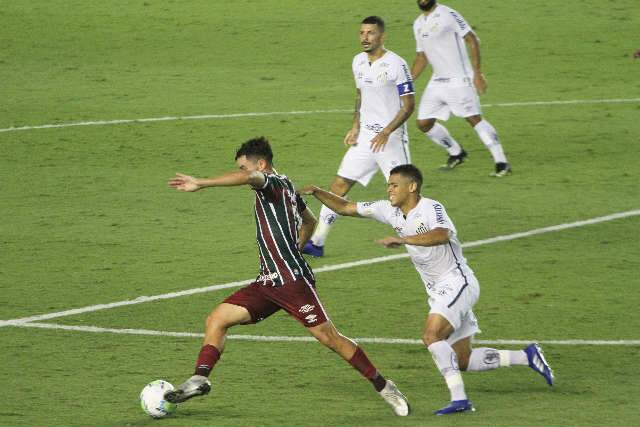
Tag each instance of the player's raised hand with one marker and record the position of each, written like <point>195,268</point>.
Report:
<point>378,143</point>
<point>182,182</point>
<point>352,137</point>
<point>480,83</point>
<point>308,190</point>
<point>391,242</point>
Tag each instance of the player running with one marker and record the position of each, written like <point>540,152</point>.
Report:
<point>430,237</point>
<point>286,281</point>
<point>378,137</point>
<point>441,34</point>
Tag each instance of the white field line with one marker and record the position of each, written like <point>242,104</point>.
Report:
<point>293,113</point>
<point>143,299</point>
<point>376,340</point>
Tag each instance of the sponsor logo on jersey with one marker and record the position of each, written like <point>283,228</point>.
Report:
<point>375,127</point>
<point>265,277</point>
<point>383,77</point>
<point>306,308</point>
<point>459,20</point>
<point>439,213</point>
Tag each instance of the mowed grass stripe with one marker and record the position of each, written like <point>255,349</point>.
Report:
<point>171,295</point>
<point>377,340</point>
<point>294,113</point>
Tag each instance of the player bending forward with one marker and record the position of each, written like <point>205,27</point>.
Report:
<point>283,224</point>
<point>427,232</point>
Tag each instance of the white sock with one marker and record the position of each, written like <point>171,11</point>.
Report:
<point>441,136</point>
<point>327,218</point>
<point>512,358</point>
<point>489,138</point>
<point>447,362</point>
<point>484,359</point>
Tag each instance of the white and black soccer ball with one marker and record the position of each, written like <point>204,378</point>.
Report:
<point>152,399</point>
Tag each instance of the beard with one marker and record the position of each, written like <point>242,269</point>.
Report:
<point>427,6</point>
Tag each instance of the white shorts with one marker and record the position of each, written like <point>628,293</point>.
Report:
<point>440,99</point>
<point>360,163</point>
<point>454,298</point>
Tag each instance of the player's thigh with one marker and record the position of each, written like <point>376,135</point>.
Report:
<point>436,328</point>
<point>227,315</point>
<point>359,163</point>
<point>433,104</point>
<point>251,298</point>
<point>301,301</point>
<point>463,351</point>
<point>395,153</point>
<point>464,101</point>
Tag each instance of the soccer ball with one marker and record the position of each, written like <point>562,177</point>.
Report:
<point>152,399</point>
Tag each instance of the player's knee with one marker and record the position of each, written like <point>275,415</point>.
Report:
<point>215,321</point>
<point>425,125</point>
<point>340,186</point>
<point>430,336</point>
<point>328,338</point>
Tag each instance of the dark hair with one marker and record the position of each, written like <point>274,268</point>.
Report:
<point>256,148</point>
<point>409,171</point>
<point>374,20</point>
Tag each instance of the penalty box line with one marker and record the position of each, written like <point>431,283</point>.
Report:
<point>294,113</point>
<point>335,267</point>
<point>376,340</point>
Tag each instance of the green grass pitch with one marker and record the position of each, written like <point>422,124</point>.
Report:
<point>87,217</point>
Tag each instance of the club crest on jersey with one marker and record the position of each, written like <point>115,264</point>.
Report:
<point>383,77</point>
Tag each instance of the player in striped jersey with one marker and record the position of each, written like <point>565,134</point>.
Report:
<point>286,281</point>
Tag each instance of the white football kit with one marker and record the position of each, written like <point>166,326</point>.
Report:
<point>440,36</point>
<point>382,84</point>
<point>451,285</point>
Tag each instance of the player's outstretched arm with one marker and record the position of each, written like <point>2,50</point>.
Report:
<point>435,237</point>
<point>336,203</point>
<point>182,182</point>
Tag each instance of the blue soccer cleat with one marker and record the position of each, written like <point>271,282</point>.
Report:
<point>538,363</point>
<point>313,250</point>
<point>456,406</point>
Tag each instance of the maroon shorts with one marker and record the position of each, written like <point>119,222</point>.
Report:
<point>298,298</point>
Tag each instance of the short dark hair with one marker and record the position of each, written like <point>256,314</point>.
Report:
<point>374,20</point>
<point>256,148</point>
<point>409,171</point>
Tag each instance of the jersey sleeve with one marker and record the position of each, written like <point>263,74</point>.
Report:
<point>404,82</point>
<point>416,35</point>
<point>437,217</point>
<point>459,23</point>
<point>375,210</point>
<point>301,205</point>
<point>355,72</point>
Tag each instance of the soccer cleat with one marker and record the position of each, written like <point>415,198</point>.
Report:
<point>502,169</point>
<point>197,385</point>
<point>395,399</point>
<point>538,363</point>
<point>313,250</point>
<point>456,406</point>
<point>454,161</point>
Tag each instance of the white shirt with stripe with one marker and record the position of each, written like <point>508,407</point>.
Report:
<point>440,35</point>
<point>382,84</point>
<point>432,262</point>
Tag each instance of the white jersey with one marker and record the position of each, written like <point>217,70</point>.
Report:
<point>432,262</point>
<point>381,85</point>
<point>440,35</point>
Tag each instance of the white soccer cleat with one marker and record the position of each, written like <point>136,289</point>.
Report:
<point>197,385</point>
<point>395,399</point>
